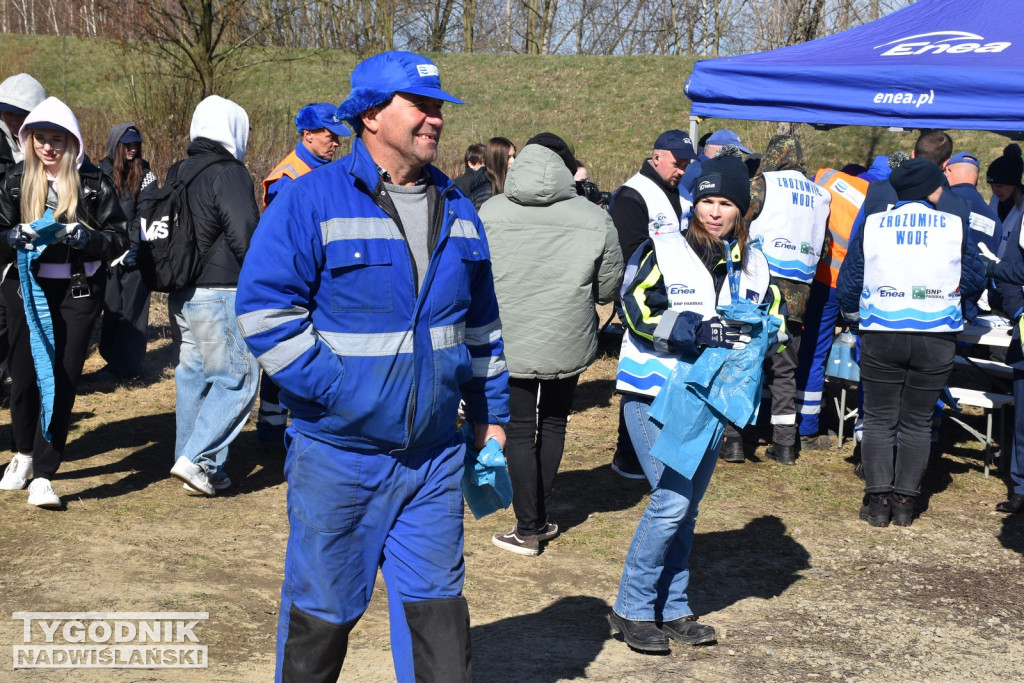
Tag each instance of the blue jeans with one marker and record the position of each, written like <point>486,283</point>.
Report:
<point>656,576</point>
<point>216,377</point>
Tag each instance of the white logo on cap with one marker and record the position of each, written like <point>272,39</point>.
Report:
<point>707,185</point>
<point>426,70</point>
<point>952,42</point>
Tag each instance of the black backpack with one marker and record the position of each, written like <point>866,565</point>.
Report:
<point>169,258</point>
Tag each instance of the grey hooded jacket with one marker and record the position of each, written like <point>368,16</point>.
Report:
<point>554,255</point>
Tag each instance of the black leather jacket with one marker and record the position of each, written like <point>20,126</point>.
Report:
<point>98,210</point>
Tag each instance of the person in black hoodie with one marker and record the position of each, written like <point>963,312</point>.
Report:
<point>126,304</point>
<point>216,376</point>
<point>54,175</point>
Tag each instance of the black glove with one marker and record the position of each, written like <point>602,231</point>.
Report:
<point>720,333</point>
<point>129,260</point>
<point>76,236</point>
<point>21,236</point>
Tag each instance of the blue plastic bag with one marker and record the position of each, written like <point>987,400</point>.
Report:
<point>721,385</point>
<point>841,363</point>
<point>486,485</point>
<point>37,315</point>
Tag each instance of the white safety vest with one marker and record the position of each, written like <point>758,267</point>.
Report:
<point>690,287</point>
<point>912,270</point>
<point>661,215</point>
<point>792,224</point>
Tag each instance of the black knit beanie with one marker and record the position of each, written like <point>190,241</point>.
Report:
<point>558,146</point>
<point>915,179</point>
<point>1007,169</point>
<point>725,176</point>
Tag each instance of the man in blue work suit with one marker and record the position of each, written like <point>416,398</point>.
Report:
<point>368,299</point>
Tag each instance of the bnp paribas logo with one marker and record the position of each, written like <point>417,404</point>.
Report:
<point>939,42</point>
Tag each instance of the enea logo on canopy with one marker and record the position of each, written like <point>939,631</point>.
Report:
<point>940,42</point>
<point>937,42</point>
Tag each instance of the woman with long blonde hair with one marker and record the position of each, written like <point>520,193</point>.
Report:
<point>69,271</point>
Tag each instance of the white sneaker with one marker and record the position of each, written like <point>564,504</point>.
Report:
<point>218,485</point>
<point>40,494</point>
<point>17,474</point>
<point>193,475</point>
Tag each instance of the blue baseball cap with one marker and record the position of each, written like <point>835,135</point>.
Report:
<point>320,115</point>
<point>377,78</point>
<point>964,158</point>
<point>131,134</point>
<point>677,142</point>
<point>726,137</point>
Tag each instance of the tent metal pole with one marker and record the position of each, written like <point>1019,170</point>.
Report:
<point>694,129</point>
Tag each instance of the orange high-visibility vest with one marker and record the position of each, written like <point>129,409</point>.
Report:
<point>847,196</point>
<point>291,166</point>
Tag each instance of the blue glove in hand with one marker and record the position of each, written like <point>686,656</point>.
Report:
<point>720,333</point>
<point>21,236</point>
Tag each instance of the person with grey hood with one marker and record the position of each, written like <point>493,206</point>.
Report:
<point>216,375</point>
<point>554,255</point>
<point>126,302</point>
<point>19,95</point>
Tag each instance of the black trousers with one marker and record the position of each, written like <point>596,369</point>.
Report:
<point>73,320</point>
<point>125,322</point>
<point>780,377</point>
<point>534,441</point>
<point>902,374</point>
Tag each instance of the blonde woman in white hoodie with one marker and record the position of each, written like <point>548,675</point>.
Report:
<point>54,175</point>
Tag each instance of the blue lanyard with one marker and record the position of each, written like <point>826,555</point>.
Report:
<point>733,274</point>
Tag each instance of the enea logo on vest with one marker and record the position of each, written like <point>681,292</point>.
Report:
<point>783,243</point>
<point>936,42</point>
<point>676,290</point>
<point>886,291</point>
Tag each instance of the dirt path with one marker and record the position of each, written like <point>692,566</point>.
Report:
<point>798,587</point>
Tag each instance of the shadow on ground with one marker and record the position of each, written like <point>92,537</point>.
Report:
<point>580,493</point>
<point>556,644</point>
<point>758,561</point>
<point>252,465</point>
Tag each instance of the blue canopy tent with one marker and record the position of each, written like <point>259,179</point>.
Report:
<point>953,64</point>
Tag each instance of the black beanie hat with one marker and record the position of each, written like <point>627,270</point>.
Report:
<point>558,146</point>
<point>915,179</point>
<point>725,176</point>
<point>1007,169</point>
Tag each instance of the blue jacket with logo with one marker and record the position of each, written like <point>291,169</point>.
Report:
<point>328,303</point>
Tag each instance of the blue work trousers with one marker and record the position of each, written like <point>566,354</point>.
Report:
<point>820,320</point>
<point>352,513</point>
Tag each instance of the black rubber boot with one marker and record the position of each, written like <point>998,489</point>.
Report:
<point>440,640</point>
<point>784,455</point>
<point>314,650</point>
<point>732,450</point>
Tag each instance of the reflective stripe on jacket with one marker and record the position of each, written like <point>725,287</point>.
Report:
<point>848,194</point>
<point>291,166</point>
<point>328,303</point>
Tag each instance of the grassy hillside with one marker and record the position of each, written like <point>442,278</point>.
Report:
<point>610,108</point>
